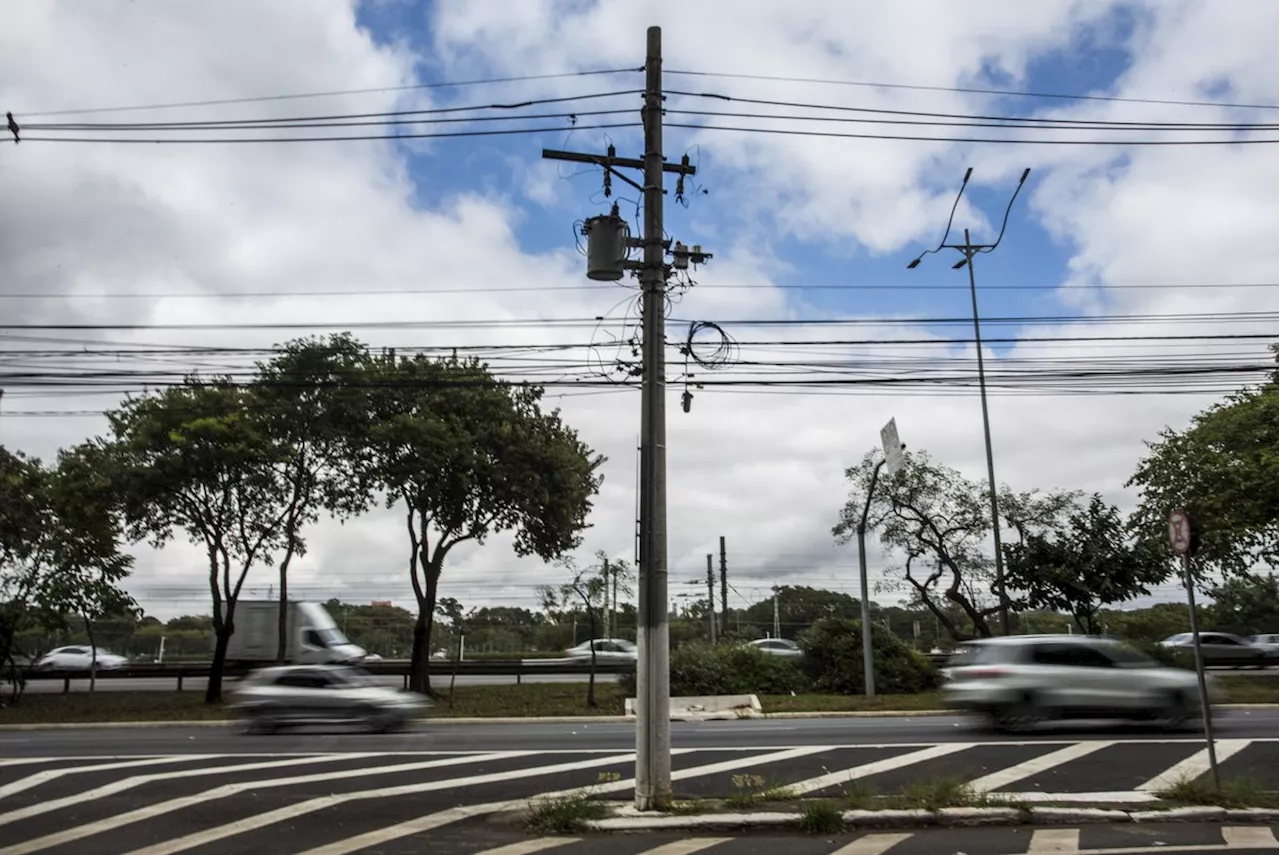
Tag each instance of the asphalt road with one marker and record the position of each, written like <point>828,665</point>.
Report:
<point>441,787</point>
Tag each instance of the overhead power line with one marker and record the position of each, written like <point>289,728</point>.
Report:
<point>442,84</point>
<point>1010,93</point>
<point>356,138</point>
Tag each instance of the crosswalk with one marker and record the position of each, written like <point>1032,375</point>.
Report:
<point>380,801</point>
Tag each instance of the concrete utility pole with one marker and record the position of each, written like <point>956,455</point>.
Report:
<point>777,622</point>
<point>724,589</point>
<point>608,246</point>
<point>711,599</point>
<point>969,249</point>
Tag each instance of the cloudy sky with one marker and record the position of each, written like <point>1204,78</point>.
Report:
<point>144,261</point>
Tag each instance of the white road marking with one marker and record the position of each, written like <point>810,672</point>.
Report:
<point>262,820</point>
<point>872,844</point>
<point>686,847</point>
<point>528,847</point>
<point>435,820</point>
<point>1036,765</point>
<point>832,779</point>
<point>1194,766</point>
<point>138,780</point>
<point>1249,837</point>
<point>51,774</point>
<point>1054,841</point>
<point>151,811</point>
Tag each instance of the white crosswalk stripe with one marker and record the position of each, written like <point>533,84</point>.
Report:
<point>128,806</point>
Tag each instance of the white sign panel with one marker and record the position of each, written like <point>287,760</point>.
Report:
<point>893,457</point>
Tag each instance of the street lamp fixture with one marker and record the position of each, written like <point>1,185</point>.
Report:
<point>968,250</point>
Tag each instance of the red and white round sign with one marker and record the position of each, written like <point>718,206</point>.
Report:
<point>1180,531</point>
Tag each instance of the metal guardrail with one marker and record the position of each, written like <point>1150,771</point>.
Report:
<point>518,668</point>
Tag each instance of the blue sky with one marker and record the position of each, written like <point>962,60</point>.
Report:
<point>1097,56</point>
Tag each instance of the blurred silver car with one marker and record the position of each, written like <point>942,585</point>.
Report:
<point>1018,682</point>
<point>607,650</point>
<point>271,698</point>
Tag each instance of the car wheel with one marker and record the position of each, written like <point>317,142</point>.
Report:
<point>1173,713</point>
<point>1021,715</point>
<point>263,721</point>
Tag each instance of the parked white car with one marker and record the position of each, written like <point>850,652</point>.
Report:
<point>79,658</point>
<point>783,647</point>
<point>607,650</point>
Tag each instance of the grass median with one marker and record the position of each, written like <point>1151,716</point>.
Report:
<point>523,701</point>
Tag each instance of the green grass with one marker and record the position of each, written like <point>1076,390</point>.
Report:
<point>1234,793</point>
<point>821,816</point>
<point>110,706</point>
<point>566,814</point>
<point>849,703</point>
<point>1249,690</point>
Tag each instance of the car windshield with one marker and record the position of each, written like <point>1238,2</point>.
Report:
<point>331,636</point>
<point>1128,657</point>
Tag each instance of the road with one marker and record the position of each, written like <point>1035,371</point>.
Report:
<point>441,787</point>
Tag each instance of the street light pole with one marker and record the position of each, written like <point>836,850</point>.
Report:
<point>970,250</point>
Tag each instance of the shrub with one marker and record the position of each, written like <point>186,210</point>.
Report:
<point>833,660</point>
<point>727,669</point>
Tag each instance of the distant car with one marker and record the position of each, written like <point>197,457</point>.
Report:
<point>1268,643</point>
<point>607,650</point>
<point>1220,649</point>
<point>1019,682</point>
<point>271,698</point>
<point>79,658</point>
<point>783,647</point>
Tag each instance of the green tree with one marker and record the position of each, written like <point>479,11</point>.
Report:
<point>799,607</point>
<point>1223,470</point>
<point>1089,562</point>
<point>60,556</point>
<point>1246,605</point>
<point>309,401</point>
<point>941,522</point>
<point>193,459</point>
<point>465,456</point>
<point>587,587</point>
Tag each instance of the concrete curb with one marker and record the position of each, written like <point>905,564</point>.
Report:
<point>947,817</point>
<point>568,719</point>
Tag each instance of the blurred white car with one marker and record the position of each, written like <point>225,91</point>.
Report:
<point>782,647</point>
<point>607,650</point>
<point>79,658</point>
<point>1268,643</point>
<point>1019,682</point>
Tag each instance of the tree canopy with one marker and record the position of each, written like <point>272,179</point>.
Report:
<point>60,556</point>
<point>465,456</point>
<point>1223,470</point>
<point>194,459</point>
<point>1088,562</point>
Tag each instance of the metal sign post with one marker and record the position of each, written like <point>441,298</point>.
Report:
<point>1185,540</point>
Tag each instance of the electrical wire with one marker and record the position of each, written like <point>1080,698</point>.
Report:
<point>1010,123</point>
<point>358,138</point>
<point>969,90</point>
<point>442,84</point>
<point>539,289</point>
<point>983,140</point>
<point>339,117</point>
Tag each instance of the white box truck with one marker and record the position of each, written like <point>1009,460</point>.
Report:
<point>312,636</point>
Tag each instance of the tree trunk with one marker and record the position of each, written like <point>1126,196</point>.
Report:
<point>419,680</point>
<point>591,676</point>
<point>453,676</point>
<point>282,619</point>
<point>93,655</point>
<point>222,636</point>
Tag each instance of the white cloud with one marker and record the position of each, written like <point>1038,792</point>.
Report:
<point>764,470</point>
